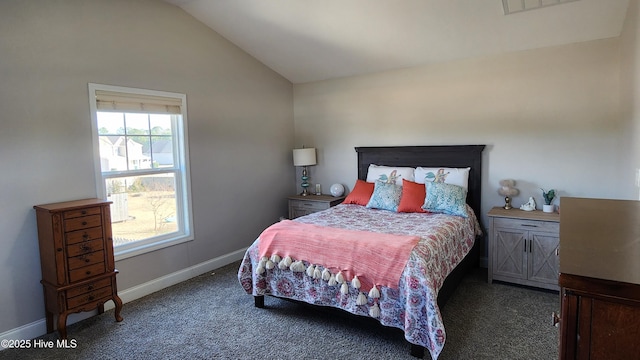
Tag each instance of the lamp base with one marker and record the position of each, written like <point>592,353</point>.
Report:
<point>507,203</point>
<point>305,183</point>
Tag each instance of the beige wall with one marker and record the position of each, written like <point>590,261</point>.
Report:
<point>630,103</point>
<point>549,117</point>
<point>240,123</point>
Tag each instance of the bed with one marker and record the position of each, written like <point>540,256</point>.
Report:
<point>434,267</point>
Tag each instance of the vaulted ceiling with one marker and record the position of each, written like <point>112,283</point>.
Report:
<point>316,40</point>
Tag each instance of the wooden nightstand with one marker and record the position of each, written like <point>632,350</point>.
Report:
<point>523,247</point>
<point>303,205</point>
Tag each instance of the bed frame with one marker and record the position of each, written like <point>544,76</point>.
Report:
<point>458,156</point>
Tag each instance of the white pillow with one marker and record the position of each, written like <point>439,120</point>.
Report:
<point>389,174</point>
<point>455,176</point>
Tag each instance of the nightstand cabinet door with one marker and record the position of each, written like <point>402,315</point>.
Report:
<point>544,262</point>
<point>509,253</point>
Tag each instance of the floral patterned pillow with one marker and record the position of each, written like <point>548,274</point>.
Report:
<point>446,198</point>
<point>385,196</point>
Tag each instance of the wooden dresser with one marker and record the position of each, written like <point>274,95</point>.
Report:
<point>76,256</point>
<point>600,279</point>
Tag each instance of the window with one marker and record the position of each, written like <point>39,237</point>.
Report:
<point>141,162</point>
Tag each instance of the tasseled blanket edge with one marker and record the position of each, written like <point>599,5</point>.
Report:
<point>314,271</point>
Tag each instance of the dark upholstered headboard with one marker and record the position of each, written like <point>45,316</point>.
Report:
<point>455,156</point>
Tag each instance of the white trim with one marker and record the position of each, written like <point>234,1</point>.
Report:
<point>121,254</point>
<point>39,327</point>
<point>160,283</point>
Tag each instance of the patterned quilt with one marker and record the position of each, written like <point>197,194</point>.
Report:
<point>412,305</point>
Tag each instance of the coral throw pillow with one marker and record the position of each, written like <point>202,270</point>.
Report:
<point>413,196</point>
<point>361,193</point>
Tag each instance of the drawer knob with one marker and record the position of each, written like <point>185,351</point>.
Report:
<point>85,248</point>
<point>88,272</point>
<point>85,236</point>
<point>84,223</point>
<point>91,298</point>
<point>59,249</point>
<point>83,212</point>
<point>90,287</point>
<point>87,260</point>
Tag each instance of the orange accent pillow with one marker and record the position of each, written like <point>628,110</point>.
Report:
<point>360,194</point>
<point>413,196</point>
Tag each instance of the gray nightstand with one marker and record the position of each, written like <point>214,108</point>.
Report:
<point>303,205</point>
<point>523,247</point>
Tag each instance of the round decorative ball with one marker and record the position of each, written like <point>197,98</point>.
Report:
<point>336,190</point>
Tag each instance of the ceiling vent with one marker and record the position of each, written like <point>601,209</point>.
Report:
<point>516,6</point>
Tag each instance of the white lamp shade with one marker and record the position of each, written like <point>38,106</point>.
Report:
<point>304,157</point>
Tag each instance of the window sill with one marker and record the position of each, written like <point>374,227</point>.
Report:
<point>147,248</point>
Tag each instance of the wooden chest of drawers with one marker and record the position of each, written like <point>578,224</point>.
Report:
<point>76,256</point>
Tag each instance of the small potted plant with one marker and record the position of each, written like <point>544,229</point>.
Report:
<point>548,199</point>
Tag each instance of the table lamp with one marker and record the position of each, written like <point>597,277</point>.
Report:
<point>507,190</point>
<point>304,157</point>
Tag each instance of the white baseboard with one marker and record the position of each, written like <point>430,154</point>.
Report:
<point>160,283</point>
<point>39,327</point>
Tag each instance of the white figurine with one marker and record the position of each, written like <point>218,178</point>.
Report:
<point>530,206</point>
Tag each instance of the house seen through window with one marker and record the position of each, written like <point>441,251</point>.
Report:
<point>141,166</point>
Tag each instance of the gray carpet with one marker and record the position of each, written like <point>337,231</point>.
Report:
<point>211,317</point>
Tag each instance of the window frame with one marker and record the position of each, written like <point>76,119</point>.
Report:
<point>181,171</point>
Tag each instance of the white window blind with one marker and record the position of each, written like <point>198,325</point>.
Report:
<point>139,103</point>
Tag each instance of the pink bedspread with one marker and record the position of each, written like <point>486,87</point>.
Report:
<point>376,258</point>
<point>412,306</point>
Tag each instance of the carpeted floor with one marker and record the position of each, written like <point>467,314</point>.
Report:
<point>211,317</point>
